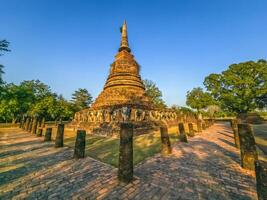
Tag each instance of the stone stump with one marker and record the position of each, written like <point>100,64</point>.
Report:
<point>79,150</point>
<point>182,136</point>
<point>48,134</point>
<point>206,123</point>
<point>203,125</point>
<point>21,124</point>
<point>34,126</point>
<point>43,123</point>
<point>199,126</point>
<point>235,130</point>
<point>125,170</point>
<point>191,130</point>
<point>30,126</point>
<point>165,141</point>
<point>261,178</point>
<point>27,124</point>
<point>248,150</point>
<point>39,132</point>
<point>59,136</point>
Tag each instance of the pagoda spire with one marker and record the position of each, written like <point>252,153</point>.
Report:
<point>124,38</point>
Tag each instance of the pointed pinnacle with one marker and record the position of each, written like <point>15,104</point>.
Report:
<point>124,38</point>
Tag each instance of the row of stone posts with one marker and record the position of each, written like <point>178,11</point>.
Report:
<point>125,170</point>
<point>245,141</point>
<point>35,126</point>
<point>125,167</point>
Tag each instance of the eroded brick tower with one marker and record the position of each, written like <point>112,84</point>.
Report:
<point>124,85</point>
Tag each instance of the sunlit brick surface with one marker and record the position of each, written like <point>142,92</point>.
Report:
<point>205,168</point>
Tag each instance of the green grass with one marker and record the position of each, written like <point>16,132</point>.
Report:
<point>107,149</point>
<point>260,133</point>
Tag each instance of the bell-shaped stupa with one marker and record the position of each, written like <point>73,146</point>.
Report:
<point>122,99</point>
<point>124,85</point>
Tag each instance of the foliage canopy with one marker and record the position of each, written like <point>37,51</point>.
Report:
<point>241,88</point>
<point>154,93</point>
<point>198,99</point>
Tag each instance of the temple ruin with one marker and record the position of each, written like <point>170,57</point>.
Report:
<point>122,99</point>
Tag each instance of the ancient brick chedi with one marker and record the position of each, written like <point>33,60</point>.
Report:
<point>123,97</point>
<point>124,85</point>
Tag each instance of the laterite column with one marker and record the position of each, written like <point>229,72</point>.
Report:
<point>48,134</point>
<point>60,136</point>
<point>182,136</point>
<point>191,130</point>
<point>79,150</point>
<point>165,141</point>
<point>248,150</point>
<point>261,177</point>
<point>125,171</point>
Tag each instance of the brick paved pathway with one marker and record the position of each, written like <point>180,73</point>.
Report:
<point>205,168</point>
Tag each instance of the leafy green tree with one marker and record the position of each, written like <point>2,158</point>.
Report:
<point>154,93</point>
<point>241,88</point>
<point>212,109</point>
<point>3,48</point>
<point>52,107</point>
<point>62,110</point>
<point>17,100</point>
<point>8,110</point>
<point>12,102</point>
<point>81,99</point>
<point>43,108</point>
<point>198,99</point>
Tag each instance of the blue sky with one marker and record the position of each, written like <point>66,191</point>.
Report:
<point>70,44</point>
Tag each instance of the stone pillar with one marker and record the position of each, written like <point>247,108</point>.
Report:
<point>27,124</point>
<point>261,177</point>
<point>34,126</point>
<point>199,126</point>
<point>125,171</point>
<point>39,132</point>
<point>21,123</point>
<point>206,123</point>
<point>248,150</point>
<point>79,150</point>
<point>43,123</point>
<point>48,134</point>
<point>60,136</point>
<point>203,125</point>
<point>182,136</point>
<point>30,125</point>
<point>165,141</point>
<point>191,130</point>
<point>235,130</point>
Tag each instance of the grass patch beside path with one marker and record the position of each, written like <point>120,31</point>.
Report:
<point>107,149</point>
<point>260,133</point>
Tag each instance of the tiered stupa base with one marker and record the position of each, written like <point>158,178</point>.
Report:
<point>106,122</point>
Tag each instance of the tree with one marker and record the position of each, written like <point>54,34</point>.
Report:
<point>62,110</point>
<point>17,100</point>
<point>52,107</point>
<point>198,99</point>
<point>3,48</point>
<point>241,88</point>
<point>154,93</point>
<point>81,99</point>
<point>212,109</point>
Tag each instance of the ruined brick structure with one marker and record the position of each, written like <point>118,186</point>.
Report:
<point>122,99</point>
